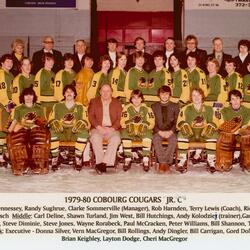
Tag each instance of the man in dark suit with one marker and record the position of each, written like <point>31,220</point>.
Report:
<point>140,44</point>
<point>219,55</point>
<point>166,114</point>
<point>79,55</point>
<point>48,44</point>
<point>191,43</point>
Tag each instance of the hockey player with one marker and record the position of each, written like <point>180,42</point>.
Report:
<point>179,85</point>
<point>83,79</point>
<point>6,105</point>
<point>246,86</point>
<point>234,126</point>
<point>157,77</point>
<point>196,76</point>
<point>233,79</point>
<point>196,124</point>
<point>137,77</point>
<point>117,78</point>
<point>100,77</point>
<point>68,122</point>
<point>64,76</point>
<point>44,84</point>
<point>137,123</point>
<point>28,140</point>
<point>23,80</point>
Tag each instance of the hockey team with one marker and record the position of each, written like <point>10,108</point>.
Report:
<point>174,108</point>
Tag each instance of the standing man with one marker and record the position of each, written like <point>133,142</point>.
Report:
<point>79,55</point>
<point>37,62</point>
<point>112,50</point>
<point>166,114</point>
<point>191,43</point>
<point>219,54</point>
<point>140,44</point>
<point>105,116</point>
<point>169,49</point>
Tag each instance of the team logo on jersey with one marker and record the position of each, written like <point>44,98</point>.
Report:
<point>198,122</point>
<point>29,119</point>
<point>142,83</point>
<point>68,120</point>
<point>151,83</point>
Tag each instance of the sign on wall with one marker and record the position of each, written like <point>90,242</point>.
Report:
<point>41,3</point>
<point>218,4</point>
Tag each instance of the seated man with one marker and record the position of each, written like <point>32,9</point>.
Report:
<point>28,140</point>
<point>166,114</point>
<point>235,121</point>
<point>137,123</point>
<point>196,123</point>
<point>68,122</point>
<point>104,116</point>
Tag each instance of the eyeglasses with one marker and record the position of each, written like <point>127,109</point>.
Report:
<point>48,42</point>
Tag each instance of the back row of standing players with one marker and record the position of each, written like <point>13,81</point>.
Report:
<point>49,72</point>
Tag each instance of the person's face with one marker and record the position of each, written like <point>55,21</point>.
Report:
<point>243,49</point>
<point>7,64</point>
<point>88,63</point>
<point>211,67</point>
<point>49,63</point>
<point>112,47</point>
<point>139,45</point>
<point>28,99</point>
<point>69,95</point>
<point>19,49</point>
<point>169,45</point>
<point>174,61</point>
<point>191,44</point>
<point>235,101</point>
<point>136,100</point>
<point>158,61</point>
<point>48,43</point>
<point>122,61</point>
<point>191,62</point>
<point>26,66</point>
<point>139,61</point>
<point>196,97</point>
<point>230,68</point>
<point>106,92</point>
<point>218,46</point>
<point>164,96</point>
<point>69,64</point>
<point>106,65</point>
<point>80,47</point>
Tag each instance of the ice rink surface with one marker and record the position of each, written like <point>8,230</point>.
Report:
<point>67,180</point>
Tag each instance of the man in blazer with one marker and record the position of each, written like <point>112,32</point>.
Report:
<point>48,44</point>
<point>219,55</point>
<point>105,116</point>
<point>79,55</point>
<point>166,114</point>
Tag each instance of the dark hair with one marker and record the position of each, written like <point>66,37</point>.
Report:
<point>194,55</point>
<point>28,91</point>
<point>234,92</point>
<point>47,55</point>
<point>71,87</point>
<point>178,57</point>
<point>119,55</point>
<point>190,37</point>
<point>68,56</point>
<point>5,57</point>
<point>136,92</point>
<point>244,42</point>
<point>164,89</point>
<point>200,91</point>
<point>159,53</point>
<point>216,38</point>
<point>105,58</point>
<point>138,54</point>
<point>88,55</point>
<point>112,40</point>
<point>230,60</point>
<point>139,38</point>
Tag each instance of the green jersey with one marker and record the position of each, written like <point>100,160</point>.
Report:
<point>228,113</point>
<point>234,81</point>
<point>26,116</point>
<point>246,88</point>
<point>135,79</point>
<point>19,84</point>
<point>117,80</point>
<point>62,79</point>
<point>6,80</point>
